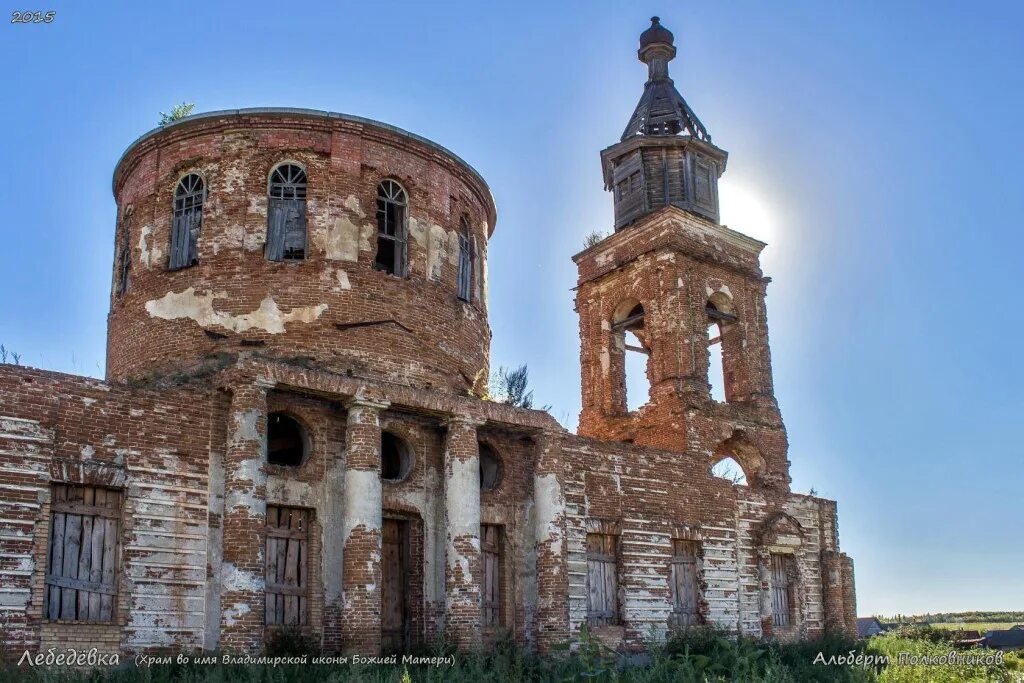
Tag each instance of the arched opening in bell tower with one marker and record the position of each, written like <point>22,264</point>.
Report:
<point>630,380</point>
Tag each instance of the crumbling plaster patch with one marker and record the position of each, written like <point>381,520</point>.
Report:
<point>235,580</point>
<point>236,611</point>
<point>199,307</point>
<point>549,507</point>
<point>362,502</point>
<point>149,255</point>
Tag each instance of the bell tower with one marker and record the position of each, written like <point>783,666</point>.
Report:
<point>680,290</point>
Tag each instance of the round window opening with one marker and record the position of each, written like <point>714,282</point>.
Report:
<point>490,468</point>
<point>395,457</point>
<point>286,440</point>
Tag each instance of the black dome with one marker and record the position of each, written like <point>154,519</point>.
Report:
<point>656,34</point>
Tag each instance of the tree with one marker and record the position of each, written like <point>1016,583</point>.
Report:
<point>509,386</point>
<point>178,111</point>
<point>593,238</point>
<point>5,353</point>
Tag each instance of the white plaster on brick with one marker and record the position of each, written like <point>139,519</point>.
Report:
<point>352,204</point>
<point>362,502</point>
<point>149,255</point>
<point>236,611</point>
<point>549,507</point>
<point>235,580</point>
<point>339,241</point>
<point>199,307</point>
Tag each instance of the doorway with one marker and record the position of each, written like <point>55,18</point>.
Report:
<point>394,622</point>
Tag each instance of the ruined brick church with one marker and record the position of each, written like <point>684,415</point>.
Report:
<point>291,433</point>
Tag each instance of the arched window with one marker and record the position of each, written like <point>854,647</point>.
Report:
<point>392,204</point>
<point>490,468</point>
<point>188,219</point>
<point>631,358</point>
<point>738,460</point>
<point>287,440</point>
<point>465,261</point>
<point>729,469</point>
<point>395,457</point>
<point>286,214</point>
<point>719,312</point>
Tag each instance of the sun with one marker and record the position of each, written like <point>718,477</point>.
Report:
<point>743,210</point>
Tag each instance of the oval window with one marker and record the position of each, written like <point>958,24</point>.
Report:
<point>395,457</point>
<point>287,441</point>
<point>490,468</point>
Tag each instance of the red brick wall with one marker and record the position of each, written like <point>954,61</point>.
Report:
<point>438,341</point>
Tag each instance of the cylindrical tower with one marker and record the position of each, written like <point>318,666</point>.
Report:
<point>316,238</point>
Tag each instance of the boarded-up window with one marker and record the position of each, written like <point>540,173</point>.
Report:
<point>602,579</point>
<point>287,566</point>
<point>286,214</point>
<point>465,262</point>
<point>81,576</point>
<point>187,222</point>
<point>684,585</point>
<point>392,204</point>
<point>124,253</point>
<point>490,546</point>
<point>783,572</point>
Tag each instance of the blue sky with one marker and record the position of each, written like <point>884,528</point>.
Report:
<point>876,146</point>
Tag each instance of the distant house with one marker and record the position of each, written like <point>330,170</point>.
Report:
<point>966,638</point>
<point>869,626</point>
<point>1010,639</point>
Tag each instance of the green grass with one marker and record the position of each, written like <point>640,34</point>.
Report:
<point>701,656</point>
<point>980,626</point>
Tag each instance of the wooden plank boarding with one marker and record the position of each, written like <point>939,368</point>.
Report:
<point>286,566</point>
<point>490,543</point>
<point>602,579</point>
<point>80,580</point>
<point>393,585</point>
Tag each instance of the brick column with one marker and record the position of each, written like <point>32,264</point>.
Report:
<point>552,625</point>
<point>361,529</point>
<point>243,573</point>
<point>849,597</point>
<point>832,591</point>
<point>332,551</point>
<point>462,570</point>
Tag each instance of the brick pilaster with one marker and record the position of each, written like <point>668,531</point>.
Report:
<point>243,573</point>
<point>361,530</point>
<point>462,571</point>
<point>549,534</point>
<point>849,596</point>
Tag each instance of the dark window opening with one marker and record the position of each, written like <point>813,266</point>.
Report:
<point>187,221</point>
<point>391,230</point>
<point>490,468</point>
<point>465,262</point>
<point>286,440</point>
<point>286,214</point>
<point>395,457</point>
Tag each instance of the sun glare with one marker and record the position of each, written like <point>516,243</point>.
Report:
<point>743,210</point>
